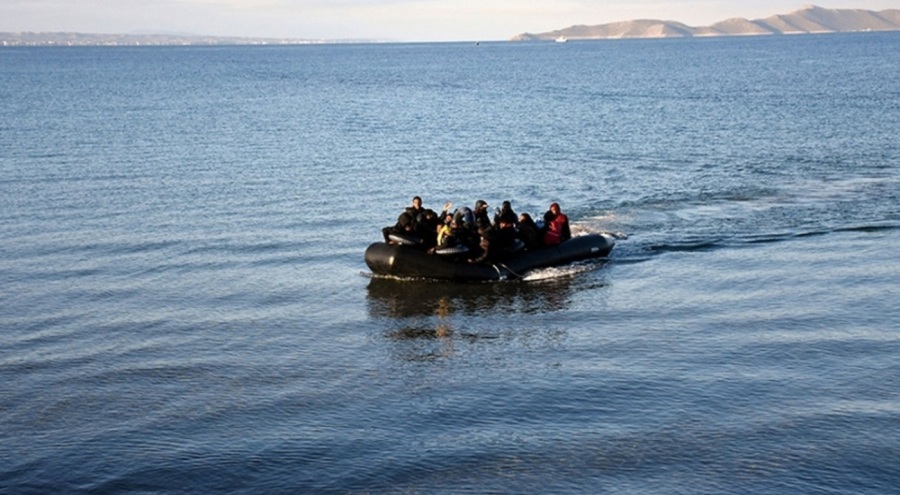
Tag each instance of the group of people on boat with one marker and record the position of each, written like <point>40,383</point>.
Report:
<point>470,234</point>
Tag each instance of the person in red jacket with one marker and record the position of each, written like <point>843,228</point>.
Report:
<point>556,226</point>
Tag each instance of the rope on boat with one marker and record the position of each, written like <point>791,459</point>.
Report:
<point>517,275</point>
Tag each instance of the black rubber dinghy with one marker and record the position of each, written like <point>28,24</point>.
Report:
<point>408,262</point>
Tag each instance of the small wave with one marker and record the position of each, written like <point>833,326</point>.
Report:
<point>778,237</point>
<point>687,246</point>
<point>238,247</point>
<point>701,245</point>
<point>869,228</point>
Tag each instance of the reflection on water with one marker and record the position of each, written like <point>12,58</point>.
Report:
<point>430,319</point>
<point>411,298</point>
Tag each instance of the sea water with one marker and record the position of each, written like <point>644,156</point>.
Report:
<point>184,306</point>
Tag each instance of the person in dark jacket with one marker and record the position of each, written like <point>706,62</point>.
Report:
<point>426,228</point>
<point>482,219</point>
<point>497,243</point>
<point>406,222</point>
<point>488,246</point>
<point>507,214</point>
<point>529,232</point>
<point>507,237</point>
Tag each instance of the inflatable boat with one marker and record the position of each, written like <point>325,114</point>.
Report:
<point>398,260</point>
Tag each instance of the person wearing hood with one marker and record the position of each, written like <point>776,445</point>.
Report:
<point>556,226</point>
<point>482,219</point>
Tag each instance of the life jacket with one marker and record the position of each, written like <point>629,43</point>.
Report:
<point>554,233</point>
<point>443,234</point>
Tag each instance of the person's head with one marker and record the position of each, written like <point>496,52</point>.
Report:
<point>507,205</point>
<point>480,205</point>
<point>417,202</point>
<point>524,218</point>
<point>554,207</point>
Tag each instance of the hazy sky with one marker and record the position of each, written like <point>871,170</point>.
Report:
<point>401,20</point>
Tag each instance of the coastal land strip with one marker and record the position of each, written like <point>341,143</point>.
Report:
<point>809,19</point>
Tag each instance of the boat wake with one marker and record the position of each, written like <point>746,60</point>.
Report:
<point>552,273</point>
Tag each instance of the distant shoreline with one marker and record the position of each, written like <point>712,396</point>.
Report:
<point>808,20</point>
<point>89,39</point>
<point>6,43</point>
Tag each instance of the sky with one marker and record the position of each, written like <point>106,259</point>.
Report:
<point>396,20</point>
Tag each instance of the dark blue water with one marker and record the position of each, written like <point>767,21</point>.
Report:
<point>184,306</point>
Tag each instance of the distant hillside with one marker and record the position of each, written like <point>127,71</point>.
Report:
<point>809,19</point>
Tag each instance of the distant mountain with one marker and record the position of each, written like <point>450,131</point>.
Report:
<point>809,19</point>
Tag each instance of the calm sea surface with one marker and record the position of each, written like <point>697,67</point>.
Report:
<point>184,306</point>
